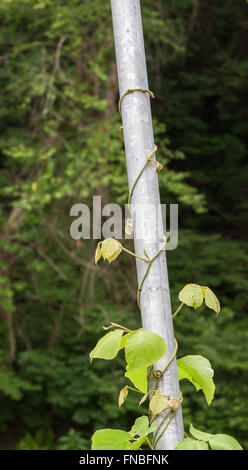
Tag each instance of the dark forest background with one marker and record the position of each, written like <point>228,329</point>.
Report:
<point>61,144</point>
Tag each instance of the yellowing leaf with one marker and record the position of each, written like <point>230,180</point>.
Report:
<point>174,403</point>
<point>158,403</point>
<point>98,253</point>
<point>34,186</point>
<point>191,295</point>
<point>211,300</point>
<point>159,167</point>
<point>129,226</point>
<point>110,249</point>
<point>122,396</point>
<point>143,399</point>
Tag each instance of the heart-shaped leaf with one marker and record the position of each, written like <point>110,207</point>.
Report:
<point>191,444</point>
<point>110,439</point>
<point>197,369</point>
<point>110,249</point>
<point>143,348</point>
<point>138,377</point>
<point>211,300</point>
<point>158,403</point>
<point>141,427</point>
<point>200,435</point>
<point>191,295</point>
<point>108,346</point>
<point>224,442</point>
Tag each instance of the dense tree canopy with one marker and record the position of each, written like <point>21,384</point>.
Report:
<point>60,144</point>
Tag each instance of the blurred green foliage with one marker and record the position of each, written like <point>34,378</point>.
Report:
<point>60,144</point>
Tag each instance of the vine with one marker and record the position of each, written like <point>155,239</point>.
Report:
<point>143,348</point>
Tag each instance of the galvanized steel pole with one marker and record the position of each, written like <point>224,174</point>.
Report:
<point>138,138</point>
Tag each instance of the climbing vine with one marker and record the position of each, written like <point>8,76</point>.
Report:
<point>143,348</point>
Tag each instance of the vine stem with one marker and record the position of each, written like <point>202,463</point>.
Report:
<point>134,254</point>
<point>131,90</point>
<point>148,159</point>
<point>150,261</point>
<point>149,443</point>
<point>159,426</point>
<point>178,310</point>
<point>172,357</point>
<point>166,426</point>
<point>165,368</point>
<point>134,389</point>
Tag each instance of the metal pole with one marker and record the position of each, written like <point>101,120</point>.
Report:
<point>138,138</point>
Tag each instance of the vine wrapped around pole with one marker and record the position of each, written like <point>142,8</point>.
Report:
<point>154,298</point>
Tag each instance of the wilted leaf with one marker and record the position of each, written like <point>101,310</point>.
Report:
<point>110,249</point>
<point>143,399</point>
<point>122,396</point>
<point>129,226</point>
<point>98,253</point>
<point>159,167</point>
<point>158,403</point>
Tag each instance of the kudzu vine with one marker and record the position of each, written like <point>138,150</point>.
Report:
<point>143,348</point>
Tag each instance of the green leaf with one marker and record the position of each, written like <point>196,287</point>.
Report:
<point>110,439</point>
<point>108,346</point>
<point>158,403</point>
<point>191,444</point>
<point>141,427</point>
<point>224,442</point>
<point>211,300</point>
<point>138,377</point>
<point>110,249</point>
<point>125,338</point>
<point>191,295</point>
<point>216,441</point>
<point>143,348</point>
<point>197,369</point>
<point>202,436</point>
<point>137,444</point>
